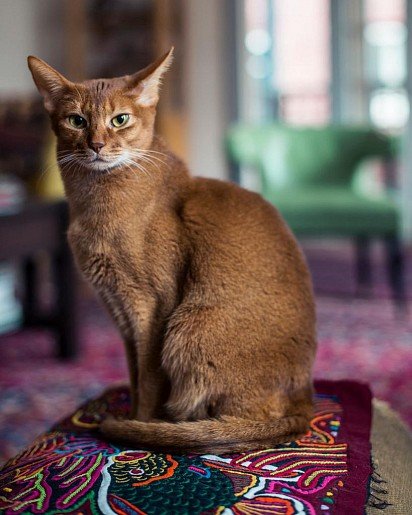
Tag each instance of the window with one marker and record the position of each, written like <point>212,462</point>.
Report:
<point>385,35</point>
<point>288,60</point>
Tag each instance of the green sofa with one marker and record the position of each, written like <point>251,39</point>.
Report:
<point>309,175</point>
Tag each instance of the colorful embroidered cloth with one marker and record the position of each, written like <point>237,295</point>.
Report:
<point>72,470</point>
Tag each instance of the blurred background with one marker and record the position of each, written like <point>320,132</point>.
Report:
<point>305,102</point>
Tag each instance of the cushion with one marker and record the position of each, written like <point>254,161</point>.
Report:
<point>335,211</point>
<point>72,469</point>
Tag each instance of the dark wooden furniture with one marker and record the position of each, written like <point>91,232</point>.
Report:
<point>39,227</point>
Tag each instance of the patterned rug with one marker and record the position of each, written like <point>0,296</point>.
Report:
<point>72,470</point>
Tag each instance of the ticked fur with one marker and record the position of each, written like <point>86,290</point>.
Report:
<point>203,279</point>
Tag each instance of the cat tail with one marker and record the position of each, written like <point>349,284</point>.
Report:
<point>208,436</point>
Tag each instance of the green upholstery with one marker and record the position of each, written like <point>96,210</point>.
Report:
<point>308,173</point>
<point>335,211</point>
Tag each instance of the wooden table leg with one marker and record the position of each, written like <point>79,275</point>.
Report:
<point>363,265</point>
<point>395,268</point>
<point>66,280</point>
<point>66,317</point>
<point>30,296</point>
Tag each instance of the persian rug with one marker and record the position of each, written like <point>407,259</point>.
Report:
<point>71,469</point>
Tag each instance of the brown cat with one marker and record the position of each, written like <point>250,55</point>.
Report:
<point>205,282</point>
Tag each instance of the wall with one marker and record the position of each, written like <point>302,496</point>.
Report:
<point>206,81</point>
<point>348,95</point>
<point>28,27</point>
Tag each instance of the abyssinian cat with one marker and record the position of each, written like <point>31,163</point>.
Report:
<point>205,282</point>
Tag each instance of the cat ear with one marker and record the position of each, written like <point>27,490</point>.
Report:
<point>145,83</point>
<point>49,82</point>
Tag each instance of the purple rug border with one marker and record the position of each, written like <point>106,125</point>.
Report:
<point>356,400</point>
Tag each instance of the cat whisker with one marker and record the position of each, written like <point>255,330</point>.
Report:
<point>42,174</point>
<point>71,152</point>
<point>132,165</point>
<point>146,161</point>
<point>65,159</point>
<point>63,156</point>
<point>126,160</point>
<point>132,170</point>
<point>133,160</point>
<point>154,161</point>
<point>127,165</point>
<point>147,154</point>
<point>73,166</point>
<point>149,150</point>
<point>140,166</point>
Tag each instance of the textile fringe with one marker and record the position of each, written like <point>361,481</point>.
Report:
<point>377,491</point>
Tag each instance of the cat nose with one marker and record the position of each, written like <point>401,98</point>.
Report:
<point>96,146</point>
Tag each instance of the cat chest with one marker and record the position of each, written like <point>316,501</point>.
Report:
<point>104,263</point>
<point>124,262</point>
<point>102,271</point>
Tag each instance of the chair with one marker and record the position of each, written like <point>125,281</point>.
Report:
<point>309,175</point>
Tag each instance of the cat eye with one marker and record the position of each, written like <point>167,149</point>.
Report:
<point>77,121</point>
<point>120,120</point>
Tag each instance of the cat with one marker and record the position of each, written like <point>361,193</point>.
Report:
<point>207,285</point>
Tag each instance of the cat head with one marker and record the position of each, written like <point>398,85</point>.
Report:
<point>101,124</point>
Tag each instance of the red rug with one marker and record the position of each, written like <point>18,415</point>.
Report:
<point>72,470</point>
